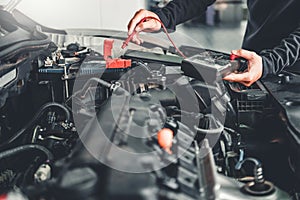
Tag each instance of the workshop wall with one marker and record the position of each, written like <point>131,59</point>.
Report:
<point>107,14</point>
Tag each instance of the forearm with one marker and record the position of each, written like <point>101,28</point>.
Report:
<point>283,55</point>
<point>179,11</point>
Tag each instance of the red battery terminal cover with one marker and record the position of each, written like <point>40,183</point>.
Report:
<point>3,197</point>
<point>118,63</point>
<point>113,63</point>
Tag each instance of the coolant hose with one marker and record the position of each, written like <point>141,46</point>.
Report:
<point>28,147</point>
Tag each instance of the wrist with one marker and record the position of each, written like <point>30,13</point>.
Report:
<point>266,66</point>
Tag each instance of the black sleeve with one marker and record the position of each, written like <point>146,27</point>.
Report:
<point>283,55</point>
<point>178,11</point>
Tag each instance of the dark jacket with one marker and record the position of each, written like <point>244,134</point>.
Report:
<point>273,28</point>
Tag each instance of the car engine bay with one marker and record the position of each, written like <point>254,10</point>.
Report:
<point>79,123</point>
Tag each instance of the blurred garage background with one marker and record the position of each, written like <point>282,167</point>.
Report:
<point>221,28</point>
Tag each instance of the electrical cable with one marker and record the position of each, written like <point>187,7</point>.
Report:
<point>81,94</point>
<point>258,174</point>
<point>217,130</point>
<point>34,134</point>
<point>27,147</point>
<point>211,131</point>
<point>125,43</point>
<point>35,118</point>
<point>86,86</point>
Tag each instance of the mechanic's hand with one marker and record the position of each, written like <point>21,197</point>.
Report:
<point>150,25</point>
<point>254,71</point>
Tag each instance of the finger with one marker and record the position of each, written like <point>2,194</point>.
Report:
<point>139,38</point>
<point>131,26</point>
<point>136,39</point>
<point>244,53</point>
<point>150,25</point>
<point>135,20</point>
<point>247,84</point>
<point>242,77</point>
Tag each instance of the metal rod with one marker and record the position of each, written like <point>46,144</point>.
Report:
<point>197,155</point>
<point>66,82</point>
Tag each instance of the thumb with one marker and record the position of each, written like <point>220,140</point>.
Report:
<point>244,53</point>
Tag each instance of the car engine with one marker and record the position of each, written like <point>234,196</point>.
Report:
<point>79,122</point>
